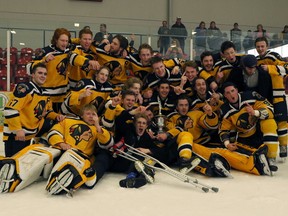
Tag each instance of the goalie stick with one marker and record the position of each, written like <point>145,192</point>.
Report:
<point>164,168</point>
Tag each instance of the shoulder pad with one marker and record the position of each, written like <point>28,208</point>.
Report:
<point>22,89</point>
<point>257,96</point>
<point>82,84</point>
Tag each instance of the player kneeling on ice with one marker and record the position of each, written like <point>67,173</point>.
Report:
<point>77,138</point>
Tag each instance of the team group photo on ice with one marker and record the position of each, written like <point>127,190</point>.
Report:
<point>98,105</point>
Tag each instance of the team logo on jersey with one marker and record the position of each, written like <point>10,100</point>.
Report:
<point>97,102</point>
<point>21,90</point>
<point>80,132</point>
<point>40,110</point>
<point>246,121</point>
<point>257,95</point>
<point>80,84</point>
<point>62,67</point>
<point>115,68</point>
<point>141,74</point>
<point>85,67</point>
<point>184,122</point>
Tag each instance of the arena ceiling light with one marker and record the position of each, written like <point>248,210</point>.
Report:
<point>76,24</point>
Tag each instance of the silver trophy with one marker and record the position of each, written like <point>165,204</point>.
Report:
<point>160,119</point>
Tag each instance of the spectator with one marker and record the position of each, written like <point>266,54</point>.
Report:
<point>248,41</point>
<point>285,34</point>
<point>214,37</point>
<point>164,39</point>
<point>103,34</point>
<point>179,32</point>
<point>174,51</point>
<point>200,38</point>
<point>260,32</point>
<point>275,41</point>
<point>235,35</point>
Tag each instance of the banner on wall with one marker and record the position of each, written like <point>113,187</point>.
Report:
<point>4,97</point>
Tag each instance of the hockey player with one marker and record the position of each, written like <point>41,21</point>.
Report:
<point>190,72</point>
<point>207,71</point>
<point>113,56</point>
<point>82,59</point>
<point>28,113</point>
<point>163,100</point>
<point>77,138</point>
<point>88,91</point>
<point>55,56</point>
<point>251,117</point>
<point>202,96</point>
<point>277,69</point>
<point>160,72</point>
<point>190,129</point>
<point>231,61</point>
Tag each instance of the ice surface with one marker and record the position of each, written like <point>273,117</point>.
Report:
<point>245,194</point>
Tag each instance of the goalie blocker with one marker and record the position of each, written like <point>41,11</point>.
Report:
<point>72,170</point>
<point>27,166</point>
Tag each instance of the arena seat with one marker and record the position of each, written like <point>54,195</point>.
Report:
<point>26,53</point>
<point>1,52</point>
<point>21,76</point>
<point>3,80</point>
<point>21,63</point>
<point>13,55</point>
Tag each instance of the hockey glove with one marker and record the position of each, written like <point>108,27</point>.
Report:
<point>118,147</point>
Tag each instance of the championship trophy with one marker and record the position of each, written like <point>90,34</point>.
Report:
<point>160,120</point>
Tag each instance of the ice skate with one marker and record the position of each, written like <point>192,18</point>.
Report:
<point>187,165</point>
<point>221,168</point>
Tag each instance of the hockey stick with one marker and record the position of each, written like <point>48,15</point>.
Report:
<point>163,167</point>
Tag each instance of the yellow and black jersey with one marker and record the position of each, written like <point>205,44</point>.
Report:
<point>271,58</point>
<point>57,78</point>
<point>78,134</point>
<point>100,92</point>
<point>195,122</point>
<point>26,110</point>
<point>79,59</point>
<point>238,119</point>
<point>226,67</point>
<point>208,76</point>
<point>198,103</point>
<point>166,105</point>
<point>110,114</point>
<point>137,68</point>
<point>171,63</point>
<point>152,79</point>
<point>118,66</point>
<point>277,69</point>
<point>188,87</point>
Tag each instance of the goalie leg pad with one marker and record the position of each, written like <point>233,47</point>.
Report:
<point>61,182</point>
<point>28,166</point>
<point>7,172</point>
<point>69,173</point>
